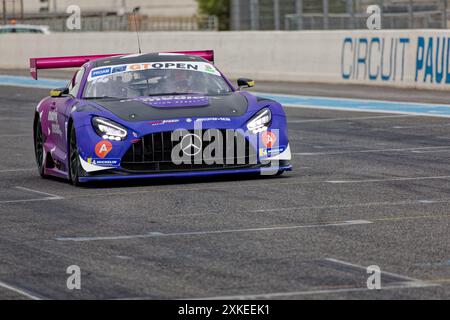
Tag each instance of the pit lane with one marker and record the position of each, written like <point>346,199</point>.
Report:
<point>367,189</point>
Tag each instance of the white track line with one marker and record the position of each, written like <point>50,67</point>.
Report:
<point>395,275</point>
<point>38,192</point>
<point>15,170</point>
<point>272,295</point>
<point>12,119</point>
<point>366,110</point>
<point>272,184</point>
<point>19,291</point>
<point>349,119</point>
<point>14,135</point>
<point>159,234</point>
<point>407,283</point>
<point>386,180</point>
<point>353,205</point>
<point>370,151</point>
<point>423,126</point>
<point>431,151</point>
<point>362,100</point>
<point>341,206</point>
<point>48,197</point>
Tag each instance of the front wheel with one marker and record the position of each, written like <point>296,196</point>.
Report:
<point>75,169</point>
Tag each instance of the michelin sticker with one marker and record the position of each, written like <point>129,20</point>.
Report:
<point>168,65</point>
<point>269,152</point>
<point>104,162</point>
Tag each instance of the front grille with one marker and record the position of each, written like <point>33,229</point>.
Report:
<point>153,153</point>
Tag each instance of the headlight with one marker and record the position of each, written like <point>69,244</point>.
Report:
<point>108,129</point>
<point>260,122</point>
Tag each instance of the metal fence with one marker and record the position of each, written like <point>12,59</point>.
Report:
<point>336,14</point>
<point>12,11</point>
<point>126,23</point>
<point>101,22</point>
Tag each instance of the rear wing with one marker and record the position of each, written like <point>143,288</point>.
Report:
<point>77,61</point>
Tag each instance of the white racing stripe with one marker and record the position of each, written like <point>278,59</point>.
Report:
<point>159,234</point>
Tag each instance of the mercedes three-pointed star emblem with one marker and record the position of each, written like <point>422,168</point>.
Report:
<point>191,144</point>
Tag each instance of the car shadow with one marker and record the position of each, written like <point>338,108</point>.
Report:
<point>134,183</point>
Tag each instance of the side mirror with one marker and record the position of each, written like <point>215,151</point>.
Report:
<point>56,93</point>
<point>245,83</point>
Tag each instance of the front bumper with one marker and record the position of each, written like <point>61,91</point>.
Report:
<point>264,171</point>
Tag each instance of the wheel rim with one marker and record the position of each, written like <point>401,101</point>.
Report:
<point>74,161</point>
<point>39,146</point>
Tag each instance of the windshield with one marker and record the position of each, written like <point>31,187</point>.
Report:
<point>158,78</point>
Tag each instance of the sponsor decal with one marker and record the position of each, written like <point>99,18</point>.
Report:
<point>119,69</point>
<point>162,122</point>
<point>103,148</point>
<point>56,129</point>
<point>171,98</point>
<point>53,118</point>
<point>169,65</point>
<point>210,69</point>
<point>271,151</point>
<point>104,162</point>
<point>213,119</point>
<point>269,139</point>
<point>100,72</point>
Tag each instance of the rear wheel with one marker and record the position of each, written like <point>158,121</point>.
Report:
<point>75,169</point>
<point>39,147</point>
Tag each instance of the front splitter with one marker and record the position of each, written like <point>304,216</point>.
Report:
<point>263,171</point>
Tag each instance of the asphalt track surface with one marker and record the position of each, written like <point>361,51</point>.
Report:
<point>367,189</point>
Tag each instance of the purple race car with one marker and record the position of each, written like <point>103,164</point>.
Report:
<point>155,115</point>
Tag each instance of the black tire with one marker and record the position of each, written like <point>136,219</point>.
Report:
<point>39,141</point>
<point>75,169</point>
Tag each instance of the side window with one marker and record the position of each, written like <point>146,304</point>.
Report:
<point>74,85</point>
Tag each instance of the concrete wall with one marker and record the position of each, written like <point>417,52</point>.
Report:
<point>413,58</point>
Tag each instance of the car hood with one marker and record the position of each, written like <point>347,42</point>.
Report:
<point>170,107</point>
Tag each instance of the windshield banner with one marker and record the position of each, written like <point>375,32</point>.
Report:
<point>101,72</point>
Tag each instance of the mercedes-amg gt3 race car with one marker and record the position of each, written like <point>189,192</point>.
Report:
<point>155,115</point>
